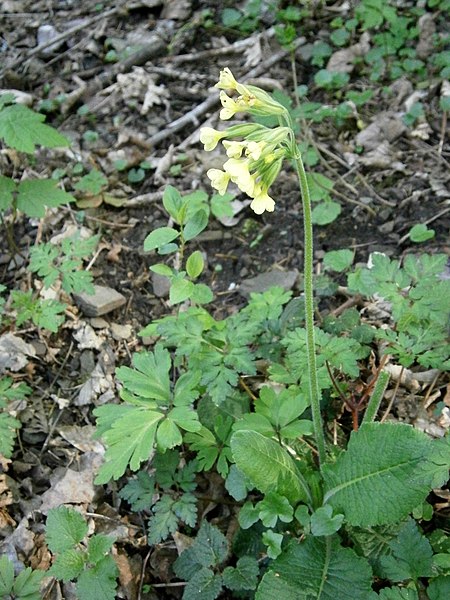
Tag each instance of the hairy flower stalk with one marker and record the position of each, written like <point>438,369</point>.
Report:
<point>254,161</point>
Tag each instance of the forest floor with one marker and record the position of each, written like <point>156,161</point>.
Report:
<point>130,84</point>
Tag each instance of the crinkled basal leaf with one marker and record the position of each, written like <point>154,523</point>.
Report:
<point>411,556</point>
<point>210,548</point>
<point>242,577</point>
<point>33,195</point>
<point>98,547</point>
<point>316,568</point>
<point>268,466</point>
<point>64,529</point>
<point>129,432</point>
<point>22,128</point>
<point>385,473</point>
<point>205,584</point>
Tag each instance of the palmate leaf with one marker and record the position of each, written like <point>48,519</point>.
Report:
<point>149,377</point>
<point>318,569</point>
<point>129,432</point>
<point>35,194</point>
<point>22,128</point>
<point>387,470</point>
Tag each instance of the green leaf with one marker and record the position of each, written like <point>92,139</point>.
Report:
<point>248,515</point>
<point>392,464</point>
<point>268,466</point>
<point>160,237</point>
<point>22,128</point>
<point>201,294</point>
<point>273,542</point>
<point>205,584</point>
<point>64,529</point>
<point>98,546</point>
<point>180,290</point>
<point>274,507</point>
<point>27,585</point>
<point>242,577</point>
<point>316,568</point>
<point>194,264</point>
<point>149,377</point>
<point>338,260</point>
<point>139,492</point>
<point>168,435</point>
<point>8,432</point>
<point>162,269</point>
<point>325,212</point>
<point>99,582</point>
<point>6,575</point>
<point>411,556</point>
<point>172,202</point>
<point>439,588</point>
<point>7,189</point>
<point>129,432</point>
<point>210,548</point>
<point>237,484</point>
<point>68,564</point>
<point>164,521</point>
<point>195,225</point>
<point>92,182</point>
<point>398,594</point>
<point>421,233</point>
<point>322,522</point>
<point>33,195</point>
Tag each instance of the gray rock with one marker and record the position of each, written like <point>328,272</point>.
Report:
<point>103,301</point>
<point>14,352</point>
<point>261,283</point>
<point>121,332</point>
<point>161,285</point>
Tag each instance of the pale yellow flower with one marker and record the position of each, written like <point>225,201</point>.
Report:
<point>230,107</point>
<point>228,82</point>
<point>219,180</point>
<point>240,174</point>
<point>254,149</point>
<point>234,149</point>
<point>261,202</point>
<point>210,137</point>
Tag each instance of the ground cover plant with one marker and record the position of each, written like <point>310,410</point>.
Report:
<point>291,442</point>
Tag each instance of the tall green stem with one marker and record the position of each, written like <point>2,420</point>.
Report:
<point>309,303</point>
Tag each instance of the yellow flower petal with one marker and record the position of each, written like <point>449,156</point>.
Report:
<point>234,149</point>
<point>230,108</point>
<point>226,80</point>
<point>261,202</point>
<point>219,180</point>
<point>210,137</point>
<point>240,175</point>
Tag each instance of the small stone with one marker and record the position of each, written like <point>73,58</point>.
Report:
<point>161,285</point>
<point>121,332</point>
<point>261,283</point>
<point>99,323</point>
<point>103,301</point>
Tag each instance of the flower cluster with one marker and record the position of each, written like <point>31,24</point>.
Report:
<point>255,158</point>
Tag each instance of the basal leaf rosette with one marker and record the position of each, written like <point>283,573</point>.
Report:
<point>255,153</point>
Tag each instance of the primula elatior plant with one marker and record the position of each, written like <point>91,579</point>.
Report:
<point>331,521</point>
<point>265,149</point>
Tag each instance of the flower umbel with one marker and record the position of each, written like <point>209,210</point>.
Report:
<point>255,157</point>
